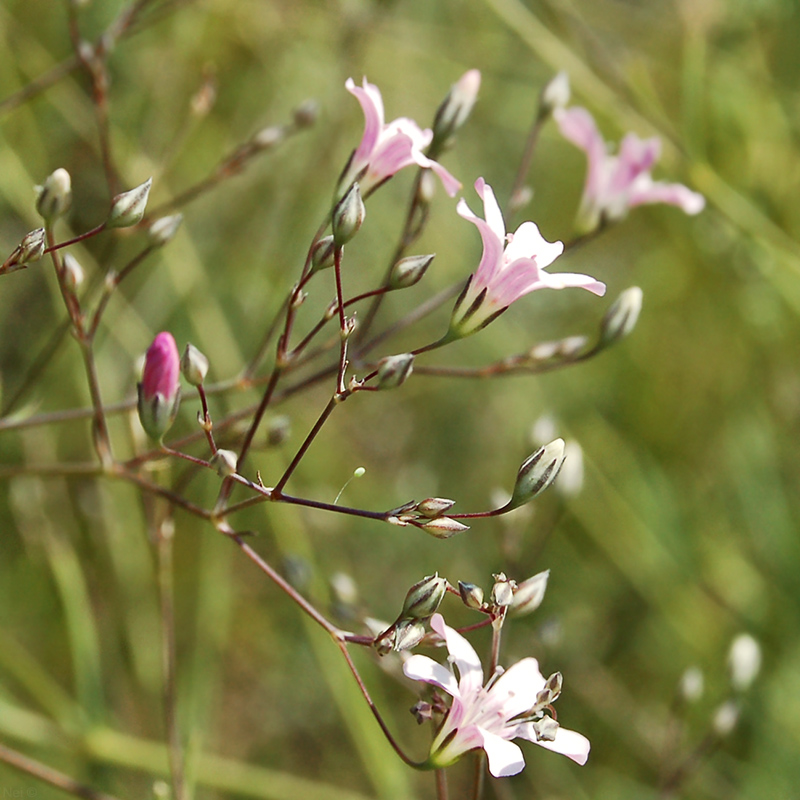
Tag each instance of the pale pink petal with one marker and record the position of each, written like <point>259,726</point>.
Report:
<point>528,242</point>
<point>422,668</point>
<point>516,689</point>
<point>451,184</point>
<point>571,744</point>
<point>635,157</point>
<point>569,280</point>
<point>645,190</point>
<point>505,758</point>
<point>372,105</point>
<point>492,257</point>
<point>578,126</point>
<point>491,209</point>
<point>390,156</point>
<point>463,654</point>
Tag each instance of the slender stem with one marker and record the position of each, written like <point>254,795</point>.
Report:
<point>337,268</point>
<point>154,488</point>
<point>285,586</point>
<point>49,775</point>
<point>342,645</point>
<point>207,424</point>
<point>414,224</point>
<point>101,438</point>
<point>525,161</point>
<point>441,784</point>
<point>112,282</point>
<point>168,654</point>
<point>323,418</point>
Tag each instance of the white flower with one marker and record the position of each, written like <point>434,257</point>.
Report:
<point>490,716</point>
<point>617,183</point>
<point>512,265</point>
<point>386,148</point>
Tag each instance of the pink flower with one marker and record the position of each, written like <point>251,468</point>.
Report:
<point>507,271</point>
<point>159,391</point>
<point>490,716</point>
<point>617,183</point>
<point>387,148</point>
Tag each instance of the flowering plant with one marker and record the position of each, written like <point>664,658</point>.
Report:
<point>207,466</point>
<point>510,706</point>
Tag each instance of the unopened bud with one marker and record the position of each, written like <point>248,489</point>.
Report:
<point>555,94</point>
<point>164,229</point>
<point>408,634</point>
<point>54,196</point>
<point>224,462</point>
<point>744,661</point>
<point>456,107</point>
<point>194,365</point>
<point>435,506</point>
<point>268,137</point>
<point>409,271</point>
<point>348,216</point>
<point>305,115</point>
<point>31,248</point>
<point>127,209</point>
<point>530,593</point>
<point>73,272</point>
<point>422,711</point>
<point>159,389</point>
<point>570,479</point>
<point>725,718</point>
<point>384,642</point>
<point>278,430</point>
<point>426,190</point>
<point>537,473</point>
<point>394,370</point>
<point>691,686</point>
<point>344,588</point>
<point>424,597</point>
<point>322,254</point>
<point>503,591</point>
<point>621,317</point>
<point>551,691</point>
<point>545,729</point>
<point>471,595</point>
<point>443,527</point>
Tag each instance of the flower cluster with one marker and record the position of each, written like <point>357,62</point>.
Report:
<point>489,715</point>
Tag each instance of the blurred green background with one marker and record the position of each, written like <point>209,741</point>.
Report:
<point>685,532</point>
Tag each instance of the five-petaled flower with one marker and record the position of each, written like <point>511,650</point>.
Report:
<point>507,271</point>
<point>617,183</point>
<point>159,390</point>
<point>388,147</point>
<point>490,716</point>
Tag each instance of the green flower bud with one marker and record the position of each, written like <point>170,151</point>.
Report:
<point>127,209</point>
<point>194,365</point>
<point>443,527</point>
<point>471,595</point>
<point>348,216</point>
<point>424,597</point>
<point>54,196</point>
<point>224,462</point>
<point>621,317</point>
<point>409,271</point>
<point>394,370</point>
<point>537,473</point>
<point>530,593</point>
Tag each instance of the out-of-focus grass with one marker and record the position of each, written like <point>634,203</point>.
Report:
<point>686,530</point>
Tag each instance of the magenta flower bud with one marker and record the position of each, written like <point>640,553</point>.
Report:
<point>159,391</point>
